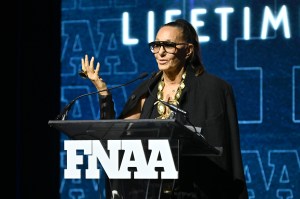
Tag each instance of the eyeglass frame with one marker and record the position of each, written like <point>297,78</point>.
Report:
<point>162,44</point>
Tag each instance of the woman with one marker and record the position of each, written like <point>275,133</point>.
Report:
<point>210,104</point>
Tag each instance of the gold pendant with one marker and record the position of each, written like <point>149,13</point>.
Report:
<point>182,85</point>
<point>161,108</point>
<point>161,85</point>
<point>178,94</point>
<point>159,95</point>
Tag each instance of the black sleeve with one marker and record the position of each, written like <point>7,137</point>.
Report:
<point>107,107</point>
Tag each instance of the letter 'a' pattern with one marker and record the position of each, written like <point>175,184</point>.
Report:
<point>253,46</point>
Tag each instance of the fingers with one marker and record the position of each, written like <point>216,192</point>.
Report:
<point>88,69</point>
<point>86,60</point>
<point>87,65</point>
<point>97,68</point>
<point>91,65</point>
<point>82,65</point>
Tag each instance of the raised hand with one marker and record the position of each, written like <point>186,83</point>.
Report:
<point>92,73</point>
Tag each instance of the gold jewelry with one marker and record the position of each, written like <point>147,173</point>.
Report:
<point>161,108</point>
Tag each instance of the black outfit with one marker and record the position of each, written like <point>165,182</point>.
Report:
<point>210,104</point>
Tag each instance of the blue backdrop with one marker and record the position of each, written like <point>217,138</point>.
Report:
<point>254,45</point>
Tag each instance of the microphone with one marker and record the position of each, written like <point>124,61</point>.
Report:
<point>64,113</point>
<point>171,106</point>
<point>176,109</point>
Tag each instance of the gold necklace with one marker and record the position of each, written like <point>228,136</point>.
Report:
<point>161,108</point>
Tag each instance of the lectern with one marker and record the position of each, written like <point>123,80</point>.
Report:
<point>187,141</point>
<point>182,141</point>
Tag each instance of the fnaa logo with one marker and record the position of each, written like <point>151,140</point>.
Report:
<point>160,157</point>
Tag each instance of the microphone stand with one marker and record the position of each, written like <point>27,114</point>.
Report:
<point>64,113</point>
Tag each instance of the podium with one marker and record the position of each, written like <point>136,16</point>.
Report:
<point>183,141</point>
<point>186,140</point>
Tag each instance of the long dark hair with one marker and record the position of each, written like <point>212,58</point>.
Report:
<point>190,36</point>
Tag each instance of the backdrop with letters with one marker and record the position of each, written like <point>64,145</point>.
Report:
<point>254,45</point>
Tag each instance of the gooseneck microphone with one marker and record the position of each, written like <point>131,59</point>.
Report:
<point>64,113</point>
<point>175,109</point>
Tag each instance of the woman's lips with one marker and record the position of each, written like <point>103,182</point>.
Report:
<point>162,61</point>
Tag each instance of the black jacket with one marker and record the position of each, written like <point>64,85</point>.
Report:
<point>210,104</point>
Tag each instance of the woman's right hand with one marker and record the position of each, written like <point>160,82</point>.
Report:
<point>91,73</point>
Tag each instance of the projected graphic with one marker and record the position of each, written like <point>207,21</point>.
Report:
<point>254,45</point>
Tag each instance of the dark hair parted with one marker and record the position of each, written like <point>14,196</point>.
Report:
<point>190,36</point>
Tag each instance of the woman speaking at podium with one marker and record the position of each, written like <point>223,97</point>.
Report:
<point>183,82</point>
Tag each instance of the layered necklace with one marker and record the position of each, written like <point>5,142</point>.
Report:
<point>163,111</point>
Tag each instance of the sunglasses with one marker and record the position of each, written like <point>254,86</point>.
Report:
<point>169,47</point>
